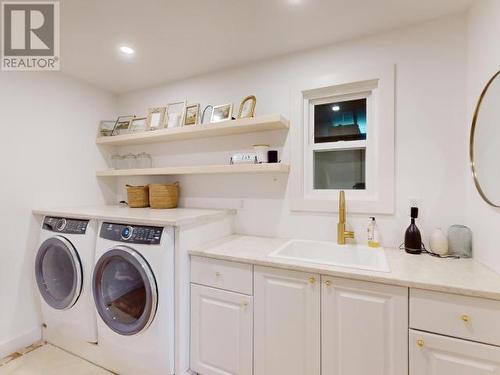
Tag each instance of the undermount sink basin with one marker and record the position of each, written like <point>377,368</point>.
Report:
<point>322,252</point>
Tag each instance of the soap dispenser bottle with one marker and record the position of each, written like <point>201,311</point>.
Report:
<point>413,239</point>
<point>373,234</point>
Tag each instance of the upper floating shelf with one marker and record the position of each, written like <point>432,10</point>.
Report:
<point>240,126</point>
<point>198,169</point>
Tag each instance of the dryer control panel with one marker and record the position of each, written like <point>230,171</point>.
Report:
<point>65,225</point>
<point>138,234</point>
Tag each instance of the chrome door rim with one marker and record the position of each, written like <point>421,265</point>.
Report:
<point>77,265</point>
<point>149,279</point>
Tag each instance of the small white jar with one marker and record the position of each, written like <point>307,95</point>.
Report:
<point>439,242</point>
<point>261,152</point>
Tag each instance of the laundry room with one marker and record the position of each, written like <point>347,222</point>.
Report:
<point>280,187</point>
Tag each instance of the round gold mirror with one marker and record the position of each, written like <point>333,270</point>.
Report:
<point>484,148</point>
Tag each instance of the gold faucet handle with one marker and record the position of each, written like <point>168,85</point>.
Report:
<point>349,234</point>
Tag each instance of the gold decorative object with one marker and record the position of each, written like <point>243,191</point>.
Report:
<point>486,193</point>
<point>247,107</point>
<point>420,343</point>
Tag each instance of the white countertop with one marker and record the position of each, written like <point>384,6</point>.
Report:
<point>459,276</point>
<point>146,216</point>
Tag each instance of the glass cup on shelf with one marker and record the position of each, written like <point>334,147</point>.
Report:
<point>130,161</point>
<point>116,161</point>
<point>144,160</point>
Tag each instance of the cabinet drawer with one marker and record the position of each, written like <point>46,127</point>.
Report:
<point>470,318</point>
<point>236,277</point>
<point>440,355</point>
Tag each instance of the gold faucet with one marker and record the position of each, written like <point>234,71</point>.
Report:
<point>342,234</point>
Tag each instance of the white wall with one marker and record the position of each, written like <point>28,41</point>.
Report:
<point>430,158</point>
<point>48,157</point>
<point>483,61</point>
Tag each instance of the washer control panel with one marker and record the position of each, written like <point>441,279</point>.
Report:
<point>65,225</point>
<point>138,234</point>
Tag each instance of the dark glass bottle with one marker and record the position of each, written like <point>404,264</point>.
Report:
<point>413,239</point>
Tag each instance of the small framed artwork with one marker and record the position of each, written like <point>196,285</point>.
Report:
<point>137,125</point>
<point>122,125</point>
<point>106,128</point>
<point>247,107</point>
<point>156,118</point>
<point>222,112</point>
<point>191,114</point>
<point>174,114</point>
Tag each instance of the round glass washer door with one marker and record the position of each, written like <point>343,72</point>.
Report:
<point>125,291</point>
<point>58,273</point>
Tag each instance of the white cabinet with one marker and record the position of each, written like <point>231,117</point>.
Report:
<point>364,328</point>
<point>432,354</point>
<point>221,332</point>
<point>287,322</point>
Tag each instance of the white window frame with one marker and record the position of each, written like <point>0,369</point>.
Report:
<point>377,85</point>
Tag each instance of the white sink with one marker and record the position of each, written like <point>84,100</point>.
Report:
<point>322,252</point>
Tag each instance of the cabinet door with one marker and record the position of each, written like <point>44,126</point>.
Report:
<point>431,354</point>
<point>287,322</point>
<point>364,328</point>
<point>221,332</point>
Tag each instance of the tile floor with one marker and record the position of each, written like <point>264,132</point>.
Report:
<point>45,359</point>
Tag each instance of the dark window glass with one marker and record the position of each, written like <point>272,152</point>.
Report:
<point>340,169</point>
<point>340,121</point>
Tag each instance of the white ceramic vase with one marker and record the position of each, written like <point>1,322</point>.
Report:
<point>439,242</point>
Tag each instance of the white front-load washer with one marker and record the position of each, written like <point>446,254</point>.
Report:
<point>63,273</point>
<point>133,288</point>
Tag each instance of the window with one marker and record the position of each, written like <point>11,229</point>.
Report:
<point>345,130</point>
<point>338,144</point>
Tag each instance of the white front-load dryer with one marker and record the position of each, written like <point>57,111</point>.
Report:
<point>133,288</point>
<point>63,273</point>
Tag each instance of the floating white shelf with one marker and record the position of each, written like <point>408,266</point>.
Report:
<point>240,126</point>
<point>199,169</point>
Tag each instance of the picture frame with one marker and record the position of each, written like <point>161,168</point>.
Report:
<point>106,128</point>
<point>138,125</point>
<point>122,125</point>
<point>156,118</point>
<point>174,115</point>
<point>223,112</point>
<point>191,115</point>
<point>247,107</point>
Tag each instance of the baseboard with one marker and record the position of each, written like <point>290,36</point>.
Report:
<point>26,339</point>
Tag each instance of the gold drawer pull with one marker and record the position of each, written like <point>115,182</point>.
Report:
<point>312,280</point>
<point>328,283</point>
<point>217,273</point>
<point>244,304</point>
<point>465,318</point>
<point>420,343</point>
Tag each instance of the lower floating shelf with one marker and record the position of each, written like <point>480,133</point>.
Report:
<point>199,169</point>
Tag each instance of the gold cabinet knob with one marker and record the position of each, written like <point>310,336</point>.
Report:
<point>420,343</point>
<point>312,280</point>
<point>217,273</point>
<point>328,283</point>
<point>465,318</point>
<point>244,304</point>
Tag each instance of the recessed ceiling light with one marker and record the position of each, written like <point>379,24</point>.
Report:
<point>336,108</point>
<point>127,50</point>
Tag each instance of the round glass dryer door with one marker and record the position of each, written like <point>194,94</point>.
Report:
<point>58,273</point>
<point>125,291</point>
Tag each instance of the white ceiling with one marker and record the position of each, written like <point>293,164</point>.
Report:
<point>176,39</point>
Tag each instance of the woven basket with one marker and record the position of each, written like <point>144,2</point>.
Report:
<point>138,196</point>
<point>163,195</point>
